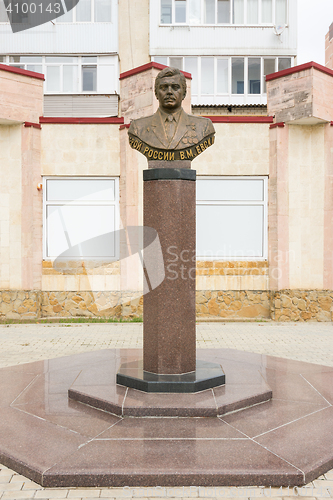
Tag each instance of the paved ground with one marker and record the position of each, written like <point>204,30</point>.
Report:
<point>311,342</point>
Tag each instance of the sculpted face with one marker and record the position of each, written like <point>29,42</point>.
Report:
<point>170,93</point>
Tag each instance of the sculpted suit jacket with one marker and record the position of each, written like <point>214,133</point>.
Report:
<point>189,131</point>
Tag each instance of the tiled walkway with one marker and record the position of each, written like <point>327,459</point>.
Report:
<point>311,342</point>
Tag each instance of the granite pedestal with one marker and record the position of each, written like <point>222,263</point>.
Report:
<point>169,315</point>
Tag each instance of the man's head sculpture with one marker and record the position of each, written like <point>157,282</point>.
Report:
<point>170,72</point>
<point>171,134</point>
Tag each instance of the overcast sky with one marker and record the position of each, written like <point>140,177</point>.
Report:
<point>314,19</point>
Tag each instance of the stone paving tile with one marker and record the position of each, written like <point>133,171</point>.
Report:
<point>17,495</point>
<point>5,479</point>
<point>51,493</point>
<point>84,493</point>
<point>30,485</point>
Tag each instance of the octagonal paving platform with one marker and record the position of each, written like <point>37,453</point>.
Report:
<point>56,441</point>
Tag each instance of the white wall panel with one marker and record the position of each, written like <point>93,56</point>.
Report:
<point>72,38</point>
<point>203,40</point>
<point>81,105</point>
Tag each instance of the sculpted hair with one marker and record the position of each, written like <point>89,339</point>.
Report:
<point>170,72</point>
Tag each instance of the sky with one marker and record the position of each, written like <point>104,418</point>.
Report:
<point>314,19</point>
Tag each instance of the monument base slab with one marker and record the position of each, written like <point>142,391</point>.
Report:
<point>59,442</point>
<point>206,376</point>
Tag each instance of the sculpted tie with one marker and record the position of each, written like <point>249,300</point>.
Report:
<point>170,126</point>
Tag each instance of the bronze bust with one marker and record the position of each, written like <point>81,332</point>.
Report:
<point>171,134</point>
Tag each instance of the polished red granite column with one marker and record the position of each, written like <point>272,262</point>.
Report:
<point>169,309</point>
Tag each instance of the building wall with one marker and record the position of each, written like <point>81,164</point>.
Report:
<point>133,34</point>
<point>239,149</point>
<point>329,48</point>
<point>21,104</point>
<point>11,213</point>
<point>306,206</point>
<point>296,281</point>
<point>80,149</point>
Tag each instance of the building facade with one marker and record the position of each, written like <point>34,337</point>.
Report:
<point>72,186</point>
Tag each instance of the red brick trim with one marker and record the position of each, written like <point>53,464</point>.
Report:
<point>126,125</point>
<point>297,69</point>
<point>34,125</point>
<point>279,124</point>
<point>150,65</point>
<point>92,120</point>
<point>241,119</point>
<point>19,71</point>
<point>331,124</point>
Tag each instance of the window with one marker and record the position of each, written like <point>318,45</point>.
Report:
<point>180,11</point>
<point>81,217</point>
<point>237,85</point>
<point>254,76</point>
<point>67,74</point>
<point>227,80</point>
<point>248,12</point>
<point>88,11</point>
<point>269,67</point>
<point>232,217</point>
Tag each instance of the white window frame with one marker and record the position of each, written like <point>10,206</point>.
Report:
<point>228,97</point>
<point>114,203</point>
<point>260,23</point>
<point>101,61</point>
<point>92,7</point>
<point>263,203</point>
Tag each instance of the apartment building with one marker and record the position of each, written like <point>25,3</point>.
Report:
<point>228,46</point>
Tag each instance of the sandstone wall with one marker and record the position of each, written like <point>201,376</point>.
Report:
<point>306,206</point>
<point>302,305</point>
<point>239,149</point>
<point>232,275</point>
<point>285,305</point>
<point>80,149</point>
<point>10,207</point>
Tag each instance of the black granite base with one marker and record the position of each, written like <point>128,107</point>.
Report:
<point>206,376</point>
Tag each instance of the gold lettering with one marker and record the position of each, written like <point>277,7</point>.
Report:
<point>205,144</point>
<point>150,153</point>
<point>209,143</point>
<point>145,150</point>
<point>155,155</point>
<point>182,155</point>
<point>202,147</point>
<point>166,155</point>
<point>189,153</point>
<point>213,140</point>
<point>172,156</point>
<point>139,146</point>
<point>198,149</point>
<point>160,155</point>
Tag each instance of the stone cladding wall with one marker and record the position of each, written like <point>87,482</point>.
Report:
<point>233,304</point>
<point>284,305</point>
<point>302,305</point>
